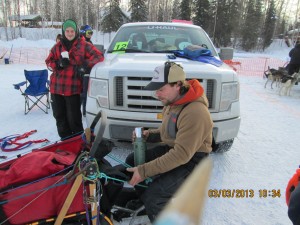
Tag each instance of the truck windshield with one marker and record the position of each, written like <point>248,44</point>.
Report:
<point>158,38</point>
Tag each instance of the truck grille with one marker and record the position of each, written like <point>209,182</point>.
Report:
<point>129,94</point>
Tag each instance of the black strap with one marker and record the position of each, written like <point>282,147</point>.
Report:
<point>176,128</point>
<point>95,121</point>
<point>99,134</point>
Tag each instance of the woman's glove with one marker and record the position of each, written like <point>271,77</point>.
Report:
<point>81,70</point>
<point>62,63</point>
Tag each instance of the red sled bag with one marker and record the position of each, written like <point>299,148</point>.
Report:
<point>43,198</point>
<point>34,166</point>
<point>34,187</point>
<point>42,205</point>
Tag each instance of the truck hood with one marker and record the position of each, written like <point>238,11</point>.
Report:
<point>143,63</point>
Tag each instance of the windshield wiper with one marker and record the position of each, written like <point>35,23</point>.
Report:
<point>165,51</point>
<point>128,50</point>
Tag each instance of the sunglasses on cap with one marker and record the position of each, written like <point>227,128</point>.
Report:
<point>89,32</point>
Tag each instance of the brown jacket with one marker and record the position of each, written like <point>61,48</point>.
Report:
<point>194,133</point>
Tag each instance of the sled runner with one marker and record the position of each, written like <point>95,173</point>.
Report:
<point>61,183</point>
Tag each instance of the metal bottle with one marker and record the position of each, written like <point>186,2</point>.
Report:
<point>139,147</point>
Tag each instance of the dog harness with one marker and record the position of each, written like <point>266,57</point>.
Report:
<point>13,140</point>
<point>292,184</point>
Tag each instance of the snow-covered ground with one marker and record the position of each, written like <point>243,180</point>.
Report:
<point>263,157</point>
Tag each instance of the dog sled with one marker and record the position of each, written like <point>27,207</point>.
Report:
<point>68,182</point>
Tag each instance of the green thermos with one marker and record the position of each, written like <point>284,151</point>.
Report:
<point>139,147</point>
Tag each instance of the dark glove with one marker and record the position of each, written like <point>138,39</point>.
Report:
<point>104,148</point>
<point>63,62</point>
<point>81,71</point>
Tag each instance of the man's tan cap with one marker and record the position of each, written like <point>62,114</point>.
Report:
<point>170,72</point>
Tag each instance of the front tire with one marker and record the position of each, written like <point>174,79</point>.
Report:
<point>221,147</point>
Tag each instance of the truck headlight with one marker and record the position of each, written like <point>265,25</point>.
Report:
<point>230,93</point>
<point>99,90</point>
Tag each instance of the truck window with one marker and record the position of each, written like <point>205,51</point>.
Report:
<point>159,39</point>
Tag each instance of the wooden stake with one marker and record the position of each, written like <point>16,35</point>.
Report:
<point>88,134</point>
<point>94,206</point>
<point>69,200</point>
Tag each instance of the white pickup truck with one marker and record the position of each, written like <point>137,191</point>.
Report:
<point>116,84</point>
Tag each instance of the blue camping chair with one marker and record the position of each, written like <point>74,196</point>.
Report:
<point>36,87</point>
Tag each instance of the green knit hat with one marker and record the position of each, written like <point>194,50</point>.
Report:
<point>69,23</point>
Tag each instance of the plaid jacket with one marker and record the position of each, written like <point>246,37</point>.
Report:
<point>67,81</point>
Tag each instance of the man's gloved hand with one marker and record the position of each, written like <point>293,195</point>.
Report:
<point>81,71</point>
<point>63,62</point>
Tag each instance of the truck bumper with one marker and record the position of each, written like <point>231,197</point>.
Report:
<point>226,129</point>
<point>121,129</point>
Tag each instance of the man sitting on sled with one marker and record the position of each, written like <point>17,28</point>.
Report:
<point>185,133</point>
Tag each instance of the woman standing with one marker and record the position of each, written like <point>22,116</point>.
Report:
<point>86,31</point>
<point>69,60</point>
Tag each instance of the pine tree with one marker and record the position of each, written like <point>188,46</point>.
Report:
<point>222,34</point>
<point>84,15</point>
<point>249,30</point>
<point>234,17</point>
<point>185,8</point>
<point>201,13</point>
<point>282,27</point>
<point>212,19</point>
<point>113,17</point>
<point>91,13</point>
<point>160,13</point>
<point>175,9</point>
<point>139,11</point>
<point>45,9</point>
<point>269,26</point>
<point>258,15</point>
<point>57,12</point>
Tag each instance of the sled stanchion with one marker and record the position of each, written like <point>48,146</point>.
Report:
<point>94,205</point>
<point>69,200</point>
<point>79,177</point>
<point>88,135</point>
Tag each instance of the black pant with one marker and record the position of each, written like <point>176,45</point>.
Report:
<point>163,186</point>
<point>293,68</point>
<point>66,111</point>
<point>83,95</point>
<point>294,206</point>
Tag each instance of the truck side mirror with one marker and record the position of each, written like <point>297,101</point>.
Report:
<point>226,53</point>
<point>100,47</point>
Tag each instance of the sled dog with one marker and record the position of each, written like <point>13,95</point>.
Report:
<point>274,75</point>
<point>287,83</point>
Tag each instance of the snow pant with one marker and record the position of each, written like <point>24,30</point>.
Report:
<point>83,95</point>
<point>66,111</point>
<point>294,206</point>
<point>293,68</point>
<point>163,186</point>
